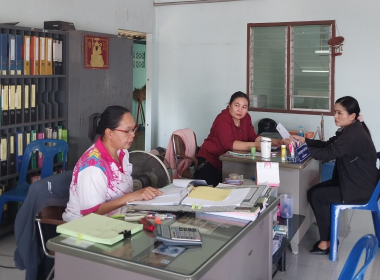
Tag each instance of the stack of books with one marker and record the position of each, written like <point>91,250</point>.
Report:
<point>280,229</point>
<point>277,240</point>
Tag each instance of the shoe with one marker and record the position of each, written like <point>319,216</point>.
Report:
<point>317,251</point>
<point>317,243</point>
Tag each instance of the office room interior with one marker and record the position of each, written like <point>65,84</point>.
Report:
<point>196,57</point>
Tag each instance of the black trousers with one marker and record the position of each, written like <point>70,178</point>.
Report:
<point>321,196</point>
<point>207,172</point>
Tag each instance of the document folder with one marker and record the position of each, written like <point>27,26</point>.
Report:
<point>3,54</point>
<point>100,229</point>
<point>5,105</point>
<point>18,104</point>
<point>26,55</point>
<point>12,108</point>
<point>12,155</point>
<point>33,109</point>
<point>19,150</point>
<point>12,54</point>
<point>26,104</point>
<point>3,156</point>
<point>18,54</point>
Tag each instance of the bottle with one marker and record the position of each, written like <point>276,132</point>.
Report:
<point>283,152</point>
<point>300,131</point>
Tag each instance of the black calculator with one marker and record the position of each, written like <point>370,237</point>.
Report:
<point>174,236</point>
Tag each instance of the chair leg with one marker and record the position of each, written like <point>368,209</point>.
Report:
<point>335,211</point>
<point>376,223</point>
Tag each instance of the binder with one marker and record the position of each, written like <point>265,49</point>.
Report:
<point>26,55</point>
<point>42,66</point>
<point>12,154</point>
<point>34,55</point>
<point>12,108</point>
<point>33,108</point>
<point>48,56</point>
<point>26,104</point>
<point>33,160</point>
<point>2,190</point>
<point>4,105</point>
<point>18,54</point>
<point>3,156</point>
<point>40,156</point>
<point>59,136</point>
<point>18,104</point>
<point>3,53</point>
<point>19,150</point>
<point>55,57</point>
<point>12,54</point>
<point>59,58</point>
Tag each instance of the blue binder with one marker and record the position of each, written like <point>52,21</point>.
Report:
<point>19,54</point>
<point>19,150</point>
<point>3,53</point>
<point>12,54</point>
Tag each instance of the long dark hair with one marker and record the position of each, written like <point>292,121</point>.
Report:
<point>352,107</point>
<point>110,118</point>
<point>237,95</point>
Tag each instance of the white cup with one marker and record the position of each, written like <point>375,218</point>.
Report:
<point>266,144</point>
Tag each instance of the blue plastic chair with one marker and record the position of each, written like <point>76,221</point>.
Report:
<point>337,208</point>
<point>369,243</point>
<point>19,192</point>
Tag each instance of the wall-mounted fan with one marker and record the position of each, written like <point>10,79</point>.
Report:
<point>149,170</point>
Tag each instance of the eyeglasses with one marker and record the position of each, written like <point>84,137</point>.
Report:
<point>127,131</point>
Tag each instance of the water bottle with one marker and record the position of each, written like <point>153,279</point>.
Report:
<point>301,132</point>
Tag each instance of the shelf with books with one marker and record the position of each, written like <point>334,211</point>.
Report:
<point>33,89</point>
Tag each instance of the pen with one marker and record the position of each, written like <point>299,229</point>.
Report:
<point>147,225</point>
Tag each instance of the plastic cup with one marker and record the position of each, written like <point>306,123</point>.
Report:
<point>286,205</point>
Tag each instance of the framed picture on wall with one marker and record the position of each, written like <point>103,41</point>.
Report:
<point>96,52</point>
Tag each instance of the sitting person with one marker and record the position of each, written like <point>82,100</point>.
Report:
<point>102,180</point>
<point>355,173</point>
<point>232,130</point>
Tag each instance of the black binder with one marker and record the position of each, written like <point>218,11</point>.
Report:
<point>4,105</point>
<point>12,154</point>
<point>26,103</point>
<point>18,104</point>
<point>12,108</point>
<point>3,156</point>
<point>33,107</point>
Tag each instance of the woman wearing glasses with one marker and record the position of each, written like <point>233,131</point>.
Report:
<point>102,180</point>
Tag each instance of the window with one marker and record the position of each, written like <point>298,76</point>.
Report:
<point>290,67</point>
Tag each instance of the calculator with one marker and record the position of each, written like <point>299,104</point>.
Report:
<point>174,236</point>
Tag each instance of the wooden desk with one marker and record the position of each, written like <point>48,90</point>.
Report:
<point>236,249</point>
<point>295,179</point>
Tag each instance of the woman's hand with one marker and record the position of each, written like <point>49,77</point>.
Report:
<point>297,138</point>
<point>147,193</point>
<point>277,142</point>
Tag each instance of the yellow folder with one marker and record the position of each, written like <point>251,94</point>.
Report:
<point>26,55</point>
<point>48,56</point>
<point>100,229</point>
<point>42,66</point>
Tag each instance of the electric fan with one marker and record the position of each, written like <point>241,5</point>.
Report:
<point>149,170</point>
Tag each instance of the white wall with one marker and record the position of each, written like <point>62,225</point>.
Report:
<point>201,59</point>
<point>89,15</point>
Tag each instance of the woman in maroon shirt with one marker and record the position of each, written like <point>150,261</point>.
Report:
<point>231,130</point>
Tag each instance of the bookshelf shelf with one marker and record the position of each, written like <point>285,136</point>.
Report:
<point>37,94</point>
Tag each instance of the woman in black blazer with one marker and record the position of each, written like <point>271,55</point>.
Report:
<point>355,173</point>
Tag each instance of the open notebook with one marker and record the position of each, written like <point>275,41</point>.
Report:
<point>100,229</point>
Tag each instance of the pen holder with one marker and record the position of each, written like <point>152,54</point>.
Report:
<point>302,153</point>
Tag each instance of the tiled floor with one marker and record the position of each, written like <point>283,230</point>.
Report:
<point>353,225</point>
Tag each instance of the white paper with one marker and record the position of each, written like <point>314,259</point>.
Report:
<point>267,173</point>
<point>237,215</point>
<point>172,196</point>
<point>234,198</point>
<point>282,130</point>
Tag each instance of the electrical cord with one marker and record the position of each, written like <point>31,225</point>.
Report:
<point>9,267</point>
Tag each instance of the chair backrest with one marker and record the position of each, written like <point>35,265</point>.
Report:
<point>369,243</point>
<point>266,125</point>
<point>49,148</point>
<point>179,145</point>
<point>375,195</point>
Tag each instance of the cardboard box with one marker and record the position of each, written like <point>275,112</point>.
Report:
<point>308,134</point>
